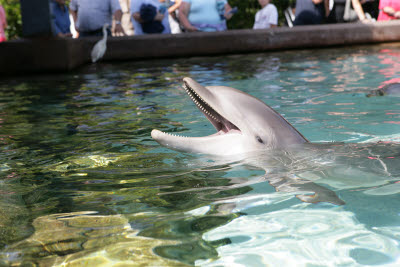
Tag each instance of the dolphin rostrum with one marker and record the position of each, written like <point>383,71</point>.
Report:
<point>243,123</point>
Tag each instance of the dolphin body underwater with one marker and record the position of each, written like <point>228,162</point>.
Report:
<point>247,126</point>
<point>391,89</point>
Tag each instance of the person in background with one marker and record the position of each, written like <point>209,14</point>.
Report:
<point>357,8</point>
<point>310,12</point>
<point>336,15</point>
<point>204,15</point>
<point>389,10</point>
<point>267,17</point>
<point>361,7</point>
<point>3,24</point>
<point>150,16</point>
<point>61,20</point>
<point>173,15</point>
<point>371,8</point>
<point>90,16</point>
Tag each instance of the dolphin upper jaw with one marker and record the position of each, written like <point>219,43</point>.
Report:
<point>215,144</point>
<point>210,105</point>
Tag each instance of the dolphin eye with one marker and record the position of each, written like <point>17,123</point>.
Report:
<point>259,140</point>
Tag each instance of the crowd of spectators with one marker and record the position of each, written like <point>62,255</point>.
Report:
<point>310,12</point>
<point>176,16</point>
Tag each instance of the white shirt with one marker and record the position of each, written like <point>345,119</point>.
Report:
<point>265,17</point>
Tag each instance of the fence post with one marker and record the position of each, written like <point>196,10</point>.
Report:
<point>36,18</point>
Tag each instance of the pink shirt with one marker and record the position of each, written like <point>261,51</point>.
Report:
<point>3,23</point>
<point>383,3</point>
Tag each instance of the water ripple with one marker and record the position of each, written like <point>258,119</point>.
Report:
<point>301,237</point>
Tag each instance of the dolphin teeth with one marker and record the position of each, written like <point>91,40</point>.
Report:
<point>175,135</point>
<point>201,103</point>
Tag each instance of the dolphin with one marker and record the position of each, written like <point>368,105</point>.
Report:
<point>392,89</point>
<point>243,123</point>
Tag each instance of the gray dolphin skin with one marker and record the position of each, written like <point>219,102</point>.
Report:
<point>391,89</point>
<point>243,123</point>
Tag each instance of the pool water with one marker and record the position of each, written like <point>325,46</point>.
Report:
<point>83,184</point>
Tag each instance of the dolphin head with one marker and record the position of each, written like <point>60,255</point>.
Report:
<point>243,123</point>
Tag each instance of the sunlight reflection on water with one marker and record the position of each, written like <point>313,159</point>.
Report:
<point>297,236</point>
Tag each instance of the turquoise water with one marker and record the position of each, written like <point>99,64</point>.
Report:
<point>83,183</point>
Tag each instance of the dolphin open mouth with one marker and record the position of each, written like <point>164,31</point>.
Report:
<point>220,142</point>
<point>221,124</point>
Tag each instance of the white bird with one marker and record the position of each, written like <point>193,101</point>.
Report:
<point>101,46</point>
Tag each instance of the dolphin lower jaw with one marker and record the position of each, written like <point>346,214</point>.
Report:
<point>216,144</point>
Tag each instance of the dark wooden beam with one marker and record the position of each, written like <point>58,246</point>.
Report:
<point>56,54</point>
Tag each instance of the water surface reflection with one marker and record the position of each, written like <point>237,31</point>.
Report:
<point>84,183</point>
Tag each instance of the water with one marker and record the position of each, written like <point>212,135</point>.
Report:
<point>83,183</point>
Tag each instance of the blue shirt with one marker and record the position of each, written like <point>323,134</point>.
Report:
<point>61,20</point>
<point>93,14</point>
<point>203,12</point>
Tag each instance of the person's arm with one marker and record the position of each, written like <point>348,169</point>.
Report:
<point>74,15</point>
<point>62,35</point>
<point>184,10</point>
<point>57,29</point>
<point>175,6</point>
<point>316,2</point>
<point>327,11</point>
<point>359,10</point>
<point>136,16</point>
<point>227,13</point>
<point>4,22</point>
<point>117,14</point>
<point>273,19</point>
<point>73,10</point>
<point>391,12</point>
<point>118,26</point>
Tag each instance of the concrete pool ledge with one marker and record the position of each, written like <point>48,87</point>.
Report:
<point>54,54</point>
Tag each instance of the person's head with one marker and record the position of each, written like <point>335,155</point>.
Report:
<point>263,3</point>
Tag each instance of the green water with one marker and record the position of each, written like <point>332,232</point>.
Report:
<point>83,184</point>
